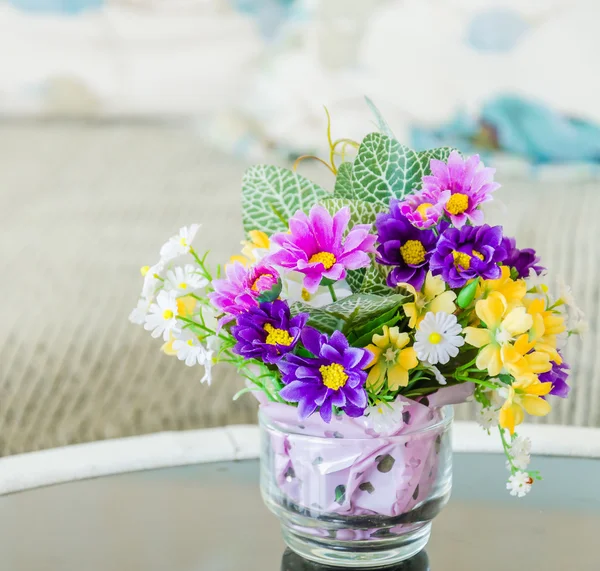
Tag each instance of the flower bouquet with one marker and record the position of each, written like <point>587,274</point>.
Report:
<point>356,317</point>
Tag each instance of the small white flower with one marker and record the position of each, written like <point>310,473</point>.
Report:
<point>385,418</point>
<point>138,314</point>
<point>487,417</point>
<point>537,282</point>
<point>292,290</point>
<point>162,319</point>
<point>580,328</point>
<point>520,451</point>
<point>436,372</point>
<point>189,349</point>
<point>519,484</point>
<point>184,280</point>
<point>438,338</point>
<point>567,297</point>
<point>153,278</point>
<point>208,365</point>
<point>179,244</point>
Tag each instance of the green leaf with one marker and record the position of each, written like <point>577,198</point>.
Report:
<point>349,313</point>
<point>381,122</point>
<point>361,212</point>
<point>441,154</point>
<point>364,335</point>
<point>271,195</point>
<point>343,181</point>
<point>383,169</point>
<point>355,279</point>
<point>375,282</point>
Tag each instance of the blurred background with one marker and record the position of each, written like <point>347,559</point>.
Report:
<point>122,120</point>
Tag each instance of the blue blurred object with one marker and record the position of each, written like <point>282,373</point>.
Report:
<point>496,30</point>
<point>517,126</point>
<point>57,6</point>
<point>270,15</point>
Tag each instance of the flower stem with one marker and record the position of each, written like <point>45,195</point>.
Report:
<point>332,292</point>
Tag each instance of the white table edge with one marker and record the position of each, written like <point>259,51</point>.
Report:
<point>237,442</point>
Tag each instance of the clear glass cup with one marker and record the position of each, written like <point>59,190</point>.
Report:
<point>345,498</point>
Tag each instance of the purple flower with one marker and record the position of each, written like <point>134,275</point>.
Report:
<point>317,248</point>
<point>464,254</point>
<point>334,377</point>
<point>244,288</point>
<point>403,246</point>
<point>558,376</point>
<point>267,332</point>
<point>521,260</point>
<point>423,209</point>
<point>461,186</point>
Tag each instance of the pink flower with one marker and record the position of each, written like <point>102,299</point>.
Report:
<point>461,186</point>
<point>244,288</point>
<point>316,247</point>
<point>425,208</point>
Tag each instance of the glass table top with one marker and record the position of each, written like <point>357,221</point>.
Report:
<point>211,518</point>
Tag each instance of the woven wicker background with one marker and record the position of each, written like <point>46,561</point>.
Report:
<point>82,207</point>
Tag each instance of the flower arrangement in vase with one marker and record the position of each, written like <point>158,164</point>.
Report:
<point>356,316</point>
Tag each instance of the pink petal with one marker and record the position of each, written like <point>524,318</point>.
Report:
<point>355,259</point>
<point>439,169</point>
<point>456,167</point>
<point>470,167</point>
<point>340,223</point>
<point>476,217</point>
<point>458,220</point>
<point>336,272</point>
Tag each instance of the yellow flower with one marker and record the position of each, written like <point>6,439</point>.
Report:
<point>391,359</point>
<point>513,291</point>
<point>258,241</point>
<point>546,326</point>
<point>502,326</point>
<point>524,396</point>
<point>434,298</point>
<point>525,364</point>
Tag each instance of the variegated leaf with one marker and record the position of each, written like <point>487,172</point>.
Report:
<point>271,195</point>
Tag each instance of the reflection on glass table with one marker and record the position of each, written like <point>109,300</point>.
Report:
<point>292,562</point>
<point>211,518</point>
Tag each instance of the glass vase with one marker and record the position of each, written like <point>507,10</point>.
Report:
<point>347,496</point>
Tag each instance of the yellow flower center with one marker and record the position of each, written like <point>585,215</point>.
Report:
<point>477,254</point>
<point>183,285</point>
<point>144,270</point>
<point>461,260</point>
<point>257,280</point>
<point>435,338</point>
<point>333,376</point>
<point>190,342</point>
<point>413,252</point>
<point>423,208</point>
<point>457,204</point>
<point>183,242</point>
<point>390,355</point>
<point>277,336</point>
<point>305,294</point>
<point>168,314</point>
<point>325,258</point>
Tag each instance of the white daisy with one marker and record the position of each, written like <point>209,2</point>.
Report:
<point>537,282</point>
<point>385,418</point>
<point>188,348</point>
<point>153,279</point>
<point>519,484</point>
<point>179,244</point>
<point>184,280</point>
<point>138,314</point>
<point>438,338</point>
<point>162,318</point>
<point>520,451</point>
<point>487,417</point>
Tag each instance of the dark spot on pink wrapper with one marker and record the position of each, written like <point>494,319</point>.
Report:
<point>290,474</point>
<point>367,487</point>
<point>406,417</point>
<point>385,463</point>
<point>318,460</point>
<point>438,444</point>
<point>416,493</point>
